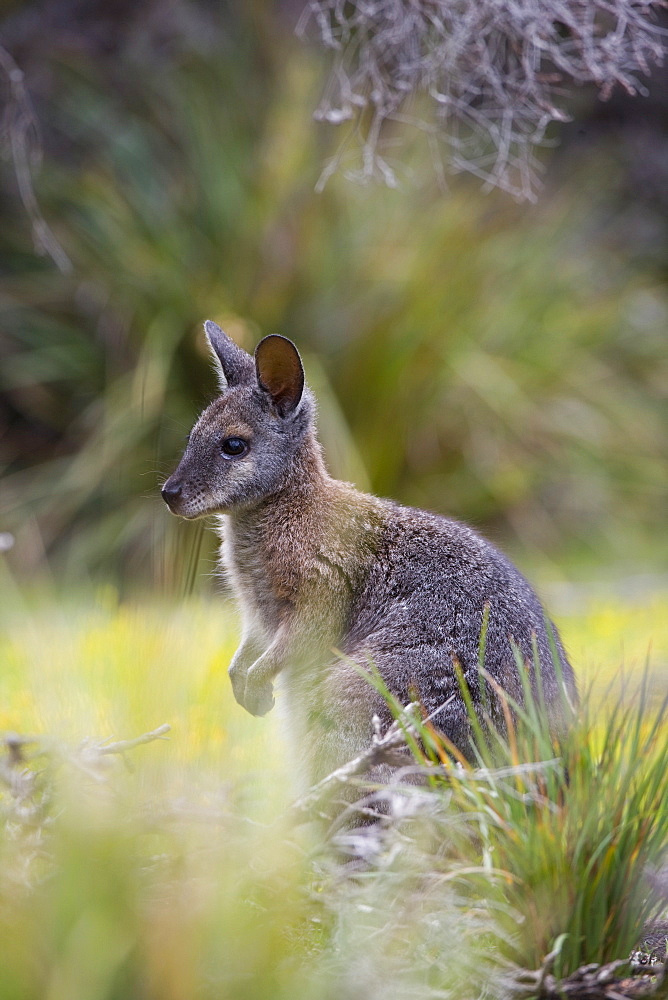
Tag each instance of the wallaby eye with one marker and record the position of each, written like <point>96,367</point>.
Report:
<point>234,447</point>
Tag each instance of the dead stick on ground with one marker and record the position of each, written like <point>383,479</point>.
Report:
<point>122,745</point>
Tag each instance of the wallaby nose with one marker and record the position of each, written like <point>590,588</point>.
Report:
<point>170,493</point>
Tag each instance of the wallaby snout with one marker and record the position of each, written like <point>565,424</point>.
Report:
<point>170,493</point>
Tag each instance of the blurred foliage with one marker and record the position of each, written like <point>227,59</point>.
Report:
<point>505,365</point>
<point>177,877</point>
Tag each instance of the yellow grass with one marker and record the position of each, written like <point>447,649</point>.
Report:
<point>98,667</point>
<point>101,669</point>
<point>611,642</point>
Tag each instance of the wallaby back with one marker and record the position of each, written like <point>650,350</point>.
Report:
<point>319,567</point>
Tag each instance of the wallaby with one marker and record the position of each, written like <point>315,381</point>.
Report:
<point>321,569</point>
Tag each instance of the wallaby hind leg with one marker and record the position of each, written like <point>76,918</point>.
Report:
<point>342,709</point>
<point>419,674</point>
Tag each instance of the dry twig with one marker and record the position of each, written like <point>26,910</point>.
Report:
<point>590,982</point>
<point>484,78</point>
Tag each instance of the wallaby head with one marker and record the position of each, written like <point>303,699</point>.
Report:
<point>243,447</point>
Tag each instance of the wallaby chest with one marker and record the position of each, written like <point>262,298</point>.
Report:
<point>251,569</point>
<point>291,567</point>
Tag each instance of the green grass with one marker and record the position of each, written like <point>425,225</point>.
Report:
<point>176,876</point>
<point>104,669</point>
<point>525,354</point>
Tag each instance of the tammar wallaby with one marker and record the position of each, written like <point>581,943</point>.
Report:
<point>321,569</point>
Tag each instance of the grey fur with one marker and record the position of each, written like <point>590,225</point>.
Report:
<point>319,567</point>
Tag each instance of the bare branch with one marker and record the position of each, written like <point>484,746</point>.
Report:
<point>20,133</point>
<point>122,745</point>
<point>486,77</point>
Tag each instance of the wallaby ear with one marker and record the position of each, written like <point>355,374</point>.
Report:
<point>280,372</point>
<point>234,365</point>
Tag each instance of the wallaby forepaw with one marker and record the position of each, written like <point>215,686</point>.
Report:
<point>238,686</point>
<point>259,699</point>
